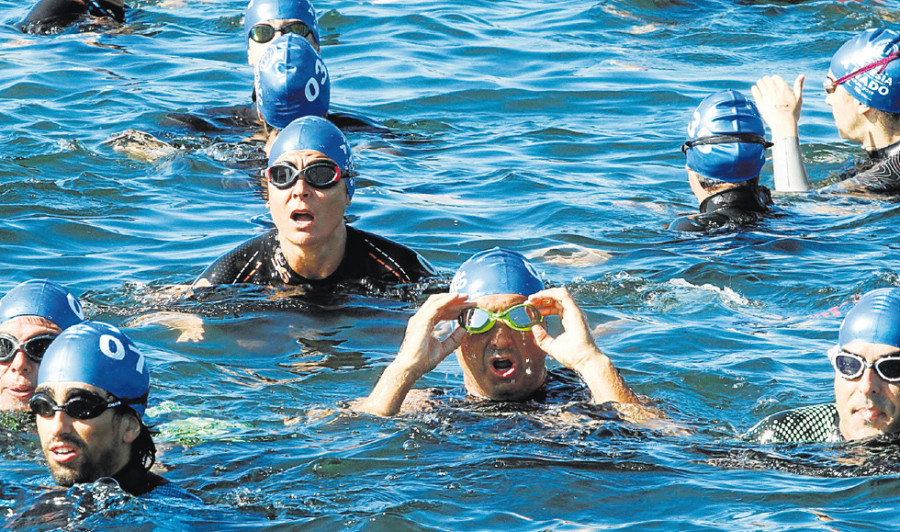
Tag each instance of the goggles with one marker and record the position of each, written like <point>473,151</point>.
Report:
<point>34,348</point>
<point>84,405</point>
<point>726,138</point>
<point>520,317</point>
<point>263,33</point>
<point>830,85</point>
<point>851,366</point>
<point>318,174</point>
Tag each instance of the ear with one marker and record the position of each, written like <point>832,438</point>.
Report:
<point>862,108</point>
<point>131,428</point>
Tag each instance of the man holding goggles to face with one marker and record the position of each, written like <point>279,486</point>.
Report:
<point>866,362</point>
<point>89,406</point>
<point>308,186</point>
<point>31,316</point>
<point>499,304</point>
<point>862,87</point>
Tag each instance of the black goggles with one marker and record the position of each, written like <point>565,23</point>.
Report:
<point>322,174</point>
<point>851,366</point>
<point>34,347</point>
<point>730,138</point>
<point>81,405</point>
<point>262,33</point>
<point>520,317</point>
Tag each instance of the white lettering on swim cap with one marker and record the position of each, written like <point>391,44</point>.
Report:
<point>75,306</point>
<point>312,85</point>
<point>112,347</point>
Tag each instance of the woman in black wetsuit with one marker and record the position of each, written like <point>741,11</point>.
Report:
<point>309,184</point>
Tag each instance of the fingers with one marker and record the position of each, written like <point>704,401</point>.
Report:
<point>440,307</point>
<point>541,337</point>
<point>798,86</point>
<point>452,342</point>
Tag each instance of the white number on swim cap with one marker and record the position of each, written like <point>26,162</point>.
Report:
<point>75,306</point>
<point>312,89</point>
<point>112,347</point>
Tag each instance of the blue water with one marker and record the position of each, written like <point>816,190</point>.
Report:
<point>550,128</point>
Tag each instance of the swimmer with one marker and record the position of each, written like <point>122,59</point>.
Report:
<point>725,150</point>
<point>31,315</point>
<point>48,16</point>
<point>267,19</point>
<point>92,392</point>
<point>291,81</point>
<point>866,362</point>
<point>499,302</point>
<point>308,185</point>
<point>862,88</point>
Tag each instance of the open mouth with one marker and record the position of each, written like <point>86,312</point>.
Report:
<point>63,453</point>
<point>503,367</point>
<point>299,216</point>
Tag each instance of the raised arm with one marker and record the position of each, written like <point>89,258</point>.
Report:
<point>780,107</point>
<point>419,353</point>
<point>575,347</point>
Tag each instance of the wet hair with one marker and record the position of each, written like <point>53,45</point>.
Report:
<point>143,449</point>
<point>709,184</point>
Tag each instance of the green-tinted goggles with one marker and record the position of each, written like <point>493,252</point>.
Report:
<point>520,317</point>
<point>263,33</point>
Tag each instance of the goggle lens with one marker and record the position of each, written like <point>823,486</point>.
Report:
<point>520,317</point>
<point>852,366</point>
<point>34,348</point>
<point>319,175</point>
<point>263,33</point>
<point>83,406</point>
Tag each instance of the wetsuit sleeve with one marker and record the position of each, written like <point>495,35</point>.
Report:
<point>237,266</point>
<point>49,15</point>
<point>883,178</point>
<point>788,168</point>
<point>687,224</point>
<point>817,423</point>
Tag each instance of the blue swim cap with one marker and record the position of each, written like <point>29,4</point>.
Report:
<point>40,297</point>
<point>291,81</point>
<point>317,133</point>
<point>878,88</point>
<point>874,319</point>
<point>263,10</point>
<point>496,271</point>
<point>101,355</point>
<point>737,156</point>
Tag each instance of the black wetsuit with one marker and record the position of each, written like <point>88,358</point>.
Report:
<point>52,15</point>
<point>139,482</point>
<point>367,258</point>
<point>733,207</point>
<point>817,423</point>
<point>878,174</point>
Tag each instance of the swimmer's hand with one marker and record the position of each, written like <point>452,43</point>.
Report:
<point>779,105</point>
<point>419,353</point>
<point>575,348</point>
<point>189,325</point>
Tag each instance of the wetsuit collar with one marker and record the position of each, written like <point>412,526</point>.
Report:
<point>745,198</point>
<point>134,479</point>
<point>883,153</point>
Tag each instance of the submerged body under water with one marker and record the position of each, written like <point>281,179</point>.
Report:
<point>551,129</point>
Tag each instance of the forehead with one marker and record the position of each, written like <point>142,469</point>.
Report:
<point>870,350</point>
<point>60,390</point>
<point>498,302</point>
<point>301,158</point>
<point>24,327</point>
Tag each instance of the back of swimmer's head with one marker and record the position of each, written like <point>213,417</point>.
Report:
<point>878,52</point>
<point>726,138</point>
<point>319,134</point>
<point>44,299</point>
<point>496,271</point>
<point>100,355</point>
<point>874,319</point>
<point>291,81</point>
<point>259,11</point>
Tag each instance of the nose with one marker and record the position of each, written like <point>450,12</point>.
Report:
<point>22,364</point>
<point>869,381</point>
<point>502,337</point>
<point>301,188</point>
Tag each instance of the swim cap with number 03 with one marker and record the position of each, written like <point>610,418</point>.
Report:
<point>874,319</point>
<point>878,87</point>
<point>40,297</point>
<point>291,81</point>
<point>726,138</point>
<point>317,133</point>
<point>496,271</point>
<point>263,10</point>
<point>101,355</point>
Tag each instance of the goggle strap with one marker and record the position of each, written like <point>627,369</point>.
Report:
<point>883,63</point>
<point>727,138</point>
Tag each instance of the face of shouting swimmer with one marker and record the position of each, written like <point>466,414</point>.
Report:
<point>18,376</point>
<point>502,363</point>
<point>868,405</point>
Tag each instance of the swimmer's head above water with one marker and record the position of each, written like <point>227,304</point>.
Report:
<point>866,361</point>
<point>499,356</point>
<point>267,19</point>
<point>313,133</point>
<point>291,81</point>
<point>31,316</point>
<point>868,68</point>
